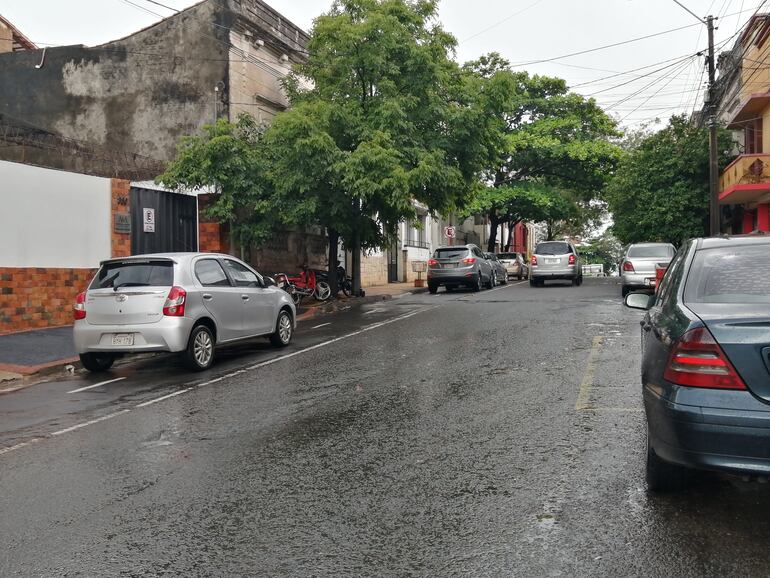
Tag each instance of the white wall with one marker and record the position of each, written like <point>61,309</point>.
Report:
<point>53,218</point>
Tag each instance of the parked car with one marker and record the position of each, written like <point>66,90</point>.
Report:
<point>179,302</point>
<point>514,263</point>
<point>459,266</point>
<point>500,274</point>
<point>706,361</point>
<point>555,260</point>
<point>637,270</point>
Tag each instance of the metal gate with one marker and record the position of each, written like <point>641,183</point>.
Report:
<point>393,263</point>
<point>163,222</point>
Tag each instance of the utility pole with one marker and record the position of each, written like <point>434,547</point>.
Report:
<point>715,224</point>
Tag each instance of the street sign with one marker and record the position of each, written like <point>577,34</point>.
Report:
<point>122,223</point>
<point>148,218</point>
<point>449,232</point>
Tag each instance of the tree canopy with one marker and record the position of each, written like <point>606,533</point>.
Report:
<point>660,189</point>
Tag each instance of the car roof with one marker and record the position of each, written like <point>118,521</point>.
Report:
<point>455,246</point>
<point>650,244</point>
<point>176,257</point>
<point>732,241</point>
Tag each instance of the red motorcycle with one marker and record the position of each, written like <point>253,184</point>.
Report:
<point>304,285</point>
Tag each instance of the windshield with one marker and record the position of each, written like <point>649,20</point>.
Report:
<point>553,248</point>
<point>450,253</point>
<point>730,275</point>
<point>506,255</point>
<point>127,274</point>
<point>644,251</point>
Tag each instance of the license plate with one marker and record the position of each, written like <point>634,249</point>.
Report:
<point>449,265</point>
<point>649,281</point>
<point>551,261</point>
<point>123,339</point>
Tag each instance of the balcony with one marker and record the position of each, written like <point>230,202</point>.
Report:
<point>745,180</point>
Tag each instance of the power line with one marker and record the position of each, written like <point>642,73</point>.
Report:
<point>690,11</point>
<point>499,22</point>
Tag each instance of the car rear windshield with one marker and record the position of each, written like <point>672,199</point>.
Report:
<point>643,251</point>
<point>552,248</point>
<point>450,253</point>
<point>730,275</point>
<point>134,274</point>
<point>506,255</point>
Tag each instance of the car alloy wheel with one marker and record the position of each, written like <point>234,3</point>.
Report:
<point>284,329</point>
<point>199,354</point>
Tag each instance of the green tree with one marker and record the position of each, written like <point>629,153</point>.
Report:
<point>606,250</point>
<point>660,189</point>
<point>541,133</point>
<point>229,158</point>
<point>381,116</point>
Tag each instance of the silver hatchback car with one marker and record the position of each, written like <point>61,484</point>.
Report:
<point>178,302</point>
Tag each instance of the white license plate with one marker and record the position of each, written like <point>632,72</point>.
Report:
<point>551,261</point>
<point>649,281</point>
<point>450,265</point>
<point>123,339</point>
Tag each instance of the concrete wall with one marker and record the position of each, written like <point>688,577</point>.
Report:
<point>53,218</point>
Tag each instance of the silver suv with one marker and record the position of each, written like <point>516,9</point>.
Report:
<point>637,270</point>
<point>459,266</point>
<point>555,260</point>
<point>183,302</point>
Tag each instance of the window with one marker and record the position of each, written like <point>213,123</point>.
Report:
<point>651,251</point>
<point>738,274</point>
<point>243,276</point>
<point>134,274</point>
<point>209,272</point>
<point>752,135</point>
<point>415,233</point>
<point>450,253</point>
<point>553,248</point>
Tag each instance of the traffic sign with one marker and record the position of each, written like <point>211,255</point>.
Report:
<point>449,232</point>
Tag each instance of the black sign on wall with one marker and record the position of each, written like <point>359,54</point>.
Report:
<point>175,227</point>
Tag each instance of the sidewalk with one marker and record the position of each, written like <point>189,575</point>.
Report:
<point>47,350</point>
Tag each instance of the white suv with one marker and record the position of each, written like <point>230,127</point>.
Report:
<point>179,302</point>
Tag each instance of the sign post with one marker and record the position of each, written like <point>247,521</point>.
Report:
<point>450,233</point>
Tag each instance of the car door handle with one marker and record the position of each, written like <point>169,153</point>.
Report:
<point>207,296</point>
<point>245,297</point>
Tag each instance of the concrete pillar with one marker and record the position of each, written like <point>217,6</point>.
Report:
<point>763,217</point>
<point>748,221</point>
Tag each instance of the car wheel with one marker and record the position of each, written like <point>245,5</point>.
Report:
<point>432,289</point>
<point>532,283</point>
<point>477,287</point>
<point>661,476</point>
<point>199,354</point>
<point>97,362</point>
<point>284,330</point>
<point>491,281</point>
<point>449,288</point>
<point>322,291</point>
<point>624,291</point>
<point>575,282</point>
<point>505,280</point>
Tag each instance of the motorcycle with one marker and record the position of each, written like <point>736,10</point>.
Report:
<point>305,284</point>
<point>344,282</point>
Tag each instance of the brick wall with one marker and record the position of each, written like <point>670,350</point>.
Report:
<point>121,242</point>
<point>32,297</point>
<point>212,237</point>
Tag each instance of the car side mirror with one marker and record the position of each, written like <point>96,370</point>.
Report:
<point>639,301</point>
<point>269,282</point>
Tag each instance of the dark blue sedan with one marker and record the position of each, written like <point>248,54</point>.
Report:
<point>706,361</point>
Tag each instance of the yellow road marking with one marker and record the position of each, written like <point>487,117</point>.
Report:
<point>588,376</point>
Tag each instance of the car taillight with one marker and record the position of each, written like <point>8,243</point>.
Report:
<point>174,305</point>
<point>79,309</point>
<point>697,360</point>
<point>469,260</point>
<point>533,261</point>
<point>432,262</point>
<point>628,266</point>
<point>572,259</point>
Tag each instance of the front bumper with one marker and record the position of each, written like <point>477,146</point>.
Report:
<point>168,334</point>
<point>567,273</point>
<point>711,438</point>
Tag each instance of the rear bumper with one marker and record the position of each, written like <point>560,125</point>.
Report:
<point>566,273</point>
<point>459,276</point>
<point>711,438</point>
<point>168,334</point>
<point>512,269</point>
<point>636,280</point>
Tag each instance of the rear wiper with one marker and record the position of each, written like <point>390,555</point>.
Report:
<point>129,284</point>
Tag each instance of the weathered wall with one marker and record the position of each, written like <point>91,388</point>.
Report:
<point>137,94</point>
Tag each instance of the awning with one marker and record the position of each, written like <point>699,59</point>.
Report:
<point>751,109</point>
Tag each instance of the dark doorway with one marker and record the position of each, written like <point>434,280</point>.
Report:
<point>175,220</point>
<point>393,263</point>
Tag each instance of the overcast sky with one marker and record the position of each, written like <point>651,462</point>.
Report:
<point>522,30</point>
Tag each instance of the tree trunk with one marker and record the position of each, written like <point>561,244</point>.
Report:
<point>356,272</point>
<point>494,223</point>
<point>334,238</point>
<point>503,243</point>
<point>549,231</point>
<point>511,227</point>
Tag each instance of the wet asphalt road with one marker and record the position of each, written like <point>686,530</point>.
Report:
<point>462,434</point>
